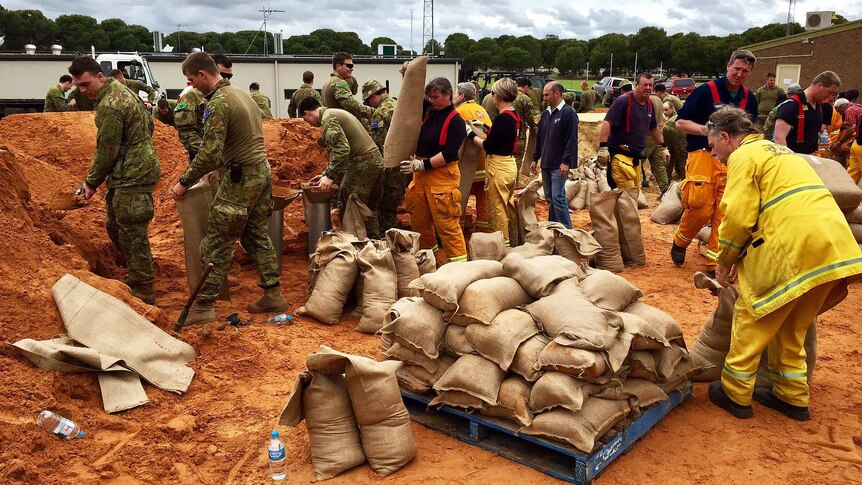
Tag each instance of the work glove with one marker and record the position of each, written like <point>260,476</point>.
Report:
<point>665,154</point>
<point>603,157</point>
<point>410,166</point>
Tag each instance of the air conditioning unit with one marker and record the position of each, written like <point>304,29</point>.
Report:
<point>818,20</point>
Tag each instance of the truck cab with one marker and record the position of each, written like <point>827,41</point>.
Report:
<point>134,65</point>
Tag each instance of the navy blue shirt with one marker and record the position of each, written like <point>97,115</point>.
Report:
<point>699,106</point>
<point>642,120</point>
<point>789,113</point>
<point>557,142</point>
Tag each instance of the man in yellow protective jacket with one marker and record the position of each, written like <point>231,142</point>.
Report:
<point>789,243</point>
<point>466,106</point>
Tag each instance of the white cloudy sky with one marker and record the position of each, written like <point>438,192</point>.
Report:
<point>582,19</point>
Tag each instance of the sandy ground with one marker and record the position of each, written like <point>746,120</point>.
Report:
<point>217,432</point>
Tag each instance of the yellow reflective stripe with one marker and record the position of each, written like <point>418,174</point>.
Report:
<point>506,243</point>
<point>823,270</point>
<point>768,204</point>
<point>711,255</point>
<point>482,224</point>
<point>479,173</point>
<point>738,374</point>
<point>435,248</point>
<point>682,237</point>
<point>783,374</point>
<point>458,259</point>
<point>722,242</point>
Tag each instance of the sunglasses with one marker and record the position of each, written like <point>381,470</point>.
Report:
<point>227,75</point>
<point>746,57</point>
<point>349,66</point>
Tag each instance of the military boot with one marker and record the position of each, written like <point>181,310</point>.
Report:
<point>145,293</point>
<point>201,313</point>
<point>271,302</point>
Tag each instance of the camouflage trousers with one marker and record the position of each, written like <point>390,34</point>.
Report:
<point>129,212</point>
<point>365,179</point>
<point>657,165</point>
<point>394,185</point>
<point>240,211</point>
<point>675,141</point>
<point>519,154</point>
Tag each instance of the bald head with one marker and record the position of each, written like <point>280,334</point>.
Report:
<point>553,93</point>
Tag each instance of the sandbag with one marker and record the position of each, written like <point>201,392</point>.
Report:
<point>847,194</point>
<point>584,364</point>
<point>639,393</point>
<point>513,401</point>
<point>444,287</point>
<point>572,189</point>
<point>856,229</point>
<point>629,226</point>
<point>355,215</point>
<point>579,201</point>
<point>468,160</point>
<point>557,389</point>
<point>404,353</point>
<point>576,245</point>
<point>669,210</point>
<point>417,379</point>
<point>711,345</point>
<point>530,250</point>
<point>455,341</point>
<point>592,189</point>
<point>580,429</point>
<point>332,273</point>
<point>526,358</point>
<point>406,121</point>
<point>458,399</point>
<point>667,359</point>
<point>323,402</point>
<point>602,180</point>
<point>526,205</point>
<point>606,229</point>
<point>486,246</point>
<point>704,234</point>
<point>426,263</point>
<point>539,275</point>
<point>379,286</point>
<point>404,246</point>
<point>474,375</point>
<point>644,335</point>
<point>384,423</point>
<point>543,235</point>
<point>417,325</point>
<point>194,210</point>
<point>641,200</point>
<point>484,299</point>
<point>499,341</point>
<point>609,291</point>
<point>854,216</point>
<point>661,321</point>
<point>643,366</point>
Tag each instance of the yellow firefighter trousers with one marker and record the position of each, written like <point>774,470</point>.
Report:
<point>783,331</point>
<point>703,187</point>
<point>501,173</point>
<point>854,163</point>
<point>434,202</point>
<point>624,173</point>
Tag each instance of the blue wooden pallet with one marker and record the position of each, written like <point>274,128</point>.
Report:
<point>555,459</point>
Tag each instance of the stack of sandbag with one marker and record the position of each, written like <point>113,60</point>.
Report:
<point>549,238</point>
<point>617,228</point>
<point>669,210</point>
<point>847,194</point>
<point>559,349</point>
<point>353,411</point>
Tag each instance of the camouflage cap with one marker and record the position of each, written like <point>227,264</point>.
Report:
<point>371,87</point>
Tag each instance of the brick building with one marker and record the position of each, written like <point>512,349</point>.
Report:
<point>799,58</point>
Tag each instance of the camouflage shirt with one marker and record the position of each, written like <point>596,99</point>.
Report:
<point>188,119</point>
<point>338,93</point>
<point>55,100</point>
<point>264,104</point>
<point>137,87</point>
<point>588,101</point>
<point>527,111</point>
<point>535,95</point>
<point>125,154</point>
<point>304,91</point>
<point>82,102</point>
<point>345,139</point>
<point>381,120</point>
<point>167,118</point>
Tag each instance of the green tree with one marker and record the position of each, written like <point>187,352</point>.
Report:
<point>306,44</point>
<point>652,46</point>
<point>550,45</point>
<point>22,27</point>
<point>458,45</point>
<point>602,47</point>
<point>348,42</point>
<point>124,37</point>
<point>527,43</point>
<point>382,40</point>
<point>79,32</point>
<point>570,58</point>
<point>432,46</point>
<point>483,53</point>
<point>514,59</point>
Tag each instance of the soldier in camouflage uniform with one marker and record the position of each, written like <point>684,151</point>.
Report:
<point>394,182</point>
<point>262,101</point>
<point>79,101</point>
<point>304,91</point>
<point>666,97</point>
<point>526,86</point>
<point>588,98</point>
<point>355,163</point>
<point>659,168</point>
<point>528,113</point>
<point>136,87</point>
<point>233,146</point>
<point>339,89</point>
<point>164,111</point>
<point>675,142</point>
<point>126,159</point>
<point>188,119</point>
<point>55,100</point>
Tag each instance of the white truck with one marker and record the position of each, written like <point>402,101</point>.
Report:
<point>26,78</point>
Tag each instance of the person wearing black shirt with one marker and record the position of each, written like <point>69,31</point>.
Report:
<point>433,198</point>
<point>804,110</point>
<point>500,145</point>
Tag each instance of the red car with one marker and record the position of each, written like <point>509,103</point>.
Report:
<point>680,86</point>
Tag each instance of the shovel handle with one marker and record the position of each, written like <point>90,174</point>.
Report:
<point>185,311</point>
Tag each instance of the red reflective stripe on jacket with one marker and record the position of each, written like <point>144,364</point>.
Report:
<point>517,128</point>
<point>800,125</point>
<point>716,99</point>
<point>629,111</point>
<point>444,133</point>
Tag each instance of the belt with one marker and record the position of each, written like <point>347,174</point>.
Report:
<point>365,156</point>
<point>258,167</point>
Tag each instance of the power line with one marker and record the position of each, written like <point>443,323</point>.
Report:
<point>266,14</point>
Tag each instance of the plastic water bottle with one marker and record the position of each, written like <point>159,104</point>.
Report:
<point>60,426</point>
<point>824,137</point>
<point>276,457</point>
<point>282,319</point>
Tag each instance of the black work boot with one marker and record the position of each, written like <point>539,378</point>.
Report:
<point>677,254</point>
<point>720,399</point>
<point>767,398</point>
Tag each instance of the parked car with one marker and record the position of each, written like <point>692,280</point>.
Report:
<point>487,78</point>
<point>606,81</point>
<point>680,87</point>
<point>611,89</point>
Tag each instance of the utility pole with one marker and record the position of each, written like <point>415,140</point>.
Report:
<point>266,13</point>
<point>412,47</point>
<point>611,70</point>
<point>179,44</point>
<point>428,25</point>
<point>636,63</point>
<point>791,9</point>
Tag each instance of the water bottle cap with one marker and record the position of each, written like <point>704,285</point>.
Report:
<point>275,433</point>
<point>80,434</point>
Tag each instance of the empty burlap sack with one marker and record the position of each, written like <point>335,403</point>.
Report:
<point>661,321</point>
<point>426,262</point>
<point>669,210</point>
<point>530,250</point>
<point>526,361</point>
<point>609,291</point>
<point>484,299</point>
<point>384,423</point>
<point>513,401</point>
<point>711,345</point>
<point>576,245</point>
<point>403,353</point>
<point>580,429</point>
<point>629,225</point>
<point>583,364</point>
<point>543,235</point>
<point>484,245</point>
<point>606,230</point>
<point>579,201</point>
<point>499,341</point>
<point>458,399</point>
<point>194,210</point>
<point>526,205</point>
<point>643,365</point>
<point>404,246</point>
<point>417,379</point>
<point>455,341</point>
<point>475,375</point>
<point>322,401</point>
<point>854,216</point>
<point>444,287</point>
<point>407,118</point>
<point>416,324</point>
<point>847,194</point>
<point>379,286</point>
<point>355,215</point>
<point>644,335</point>
<point>557,389</point>
<point>332,272</point>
